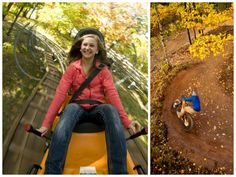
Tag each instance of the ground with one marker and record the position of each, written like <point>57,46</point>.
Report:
<point>210,143</point>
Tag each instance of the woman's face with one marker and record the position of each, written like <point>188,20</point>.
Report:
<point>89,48</point>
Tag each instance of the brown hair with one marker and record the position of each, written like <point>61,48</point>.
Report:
<point>75,53</point>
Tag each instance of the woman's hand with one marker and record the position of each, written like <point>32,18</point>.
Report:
<point>135,126</point>
<point>42,130</point>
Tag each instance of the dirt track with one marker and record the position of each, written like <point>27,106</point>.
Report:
<point>210,143</point>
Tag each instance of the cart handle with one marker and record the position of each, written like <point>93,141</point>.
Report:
<point>144,131</point>
<point>30,129</point>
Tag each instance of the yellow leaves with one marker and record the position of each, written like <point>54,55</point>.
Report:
<point>203,46</point>
<point>214,18</point>
<point>229,38</point>
<point>166,11</point>
<point>202,15</point>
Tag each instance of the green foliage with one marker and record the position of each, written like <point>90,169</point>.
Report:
<point>132,107</point>
<point>143,67</point>
<point>4,8</point>
<point>7,47</point>
<point>17,87</point>
<point>203,46</point>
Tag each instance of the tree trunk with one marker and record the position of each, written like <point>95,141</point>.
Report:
<point>26,12</point>
<point>32,11</point>
<point>189,37</point>
<point>188,32</point>
<point>8,9</point>
<point>135,55</point>
<point>194,32</point>
<point>13,23</point>
<point>161,35</point>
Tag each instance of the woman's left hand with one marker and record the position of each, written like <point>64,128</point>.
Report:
<point>135,126</point>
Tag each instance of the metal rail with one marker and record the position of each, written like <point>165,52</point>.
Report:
<point>20,149</point>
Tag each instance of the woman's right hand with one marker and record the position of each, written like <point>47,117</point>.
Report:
<point>43,130</point>
<point>135,126</point>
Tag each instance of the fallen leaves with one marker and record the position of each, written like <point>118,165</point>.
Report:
<point>214,128</point>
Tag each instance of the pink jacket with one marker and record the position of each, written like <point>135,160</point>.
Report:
<point>102,85</point>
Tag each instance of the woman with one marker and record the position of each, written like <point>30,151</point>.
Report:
<point>89,52</point>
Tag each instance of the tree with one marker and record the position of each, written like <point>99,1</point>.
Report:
<point>6,9</point>
<point>21,6</point>
<point>161,34</point>
<point>199,16</point>
<point>36,6</point>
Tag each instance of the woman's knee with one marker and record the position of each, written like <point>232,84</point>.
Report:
<point>110,114</point>
<point>69,116</point>
<point>72,107</point>
<point>108,110</point>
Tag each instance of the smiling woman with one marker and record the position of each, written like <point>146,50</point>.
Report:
<point>89,52</point>
<point>89,48</point>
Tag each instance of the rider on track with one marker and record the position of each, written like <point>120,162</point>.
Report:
<point>191,109</point>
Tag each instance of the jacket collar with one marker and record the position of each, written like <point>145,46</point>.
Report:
<point>77,64</point>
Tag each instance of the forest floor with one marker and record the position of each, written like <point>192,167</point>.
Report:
<point>210,143</point>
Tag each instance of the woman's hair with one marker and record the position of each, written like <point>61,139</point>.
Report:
<point>75,53</point>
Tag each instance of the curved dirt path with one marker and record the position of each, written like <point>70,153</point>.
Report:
<point>210,143</point>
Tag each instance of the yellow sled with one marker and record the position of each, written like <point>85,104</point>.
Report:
<point>87,150</point>
<point>87,153</point>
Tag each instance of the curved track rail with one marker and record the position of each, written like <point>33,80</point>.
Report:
<point>22,149</point>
